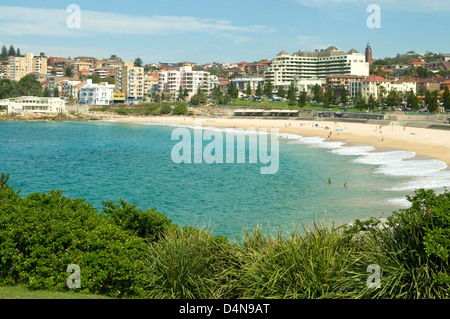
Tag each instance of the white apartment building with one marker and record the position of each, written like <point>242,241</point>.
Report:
<point>286,68</point>
<point>33,104</point>
<point>171,81</point>
<point>97,94</point>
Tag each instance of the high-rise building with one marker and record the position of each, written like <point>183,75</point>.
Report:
<point>170,81</point>
<point>368,53</point>
<point>21,66</point>
<point>287,68</point>
<point>129,79</point>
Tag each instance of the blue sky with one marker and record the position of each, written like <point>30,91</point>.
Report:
<point>205,31</point>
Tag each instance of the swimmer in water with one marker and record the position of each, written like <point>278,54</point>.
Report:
<point>345,184</point>
<point>329,180</point>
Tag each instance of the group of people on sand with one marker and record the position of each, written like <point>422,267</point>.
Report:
<point>329,182</point>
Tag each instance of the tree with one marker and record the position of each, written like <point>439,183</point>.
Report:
<point>233,91</point>
<point>268,88</point>
<point>138,62</point>
<point>29,86</point>
<point>393,98</point>
<point>292,96</point>
<point>302,98</point>
<point>281,93</point>
<point>431,100</point>
<point>248,90</point>
<point>317,93</point>
<point>68,72</point>
<point>360,102</point>
<point>412,101</point>
<point>259,90</point>
<point>372,102</point>
<point>344,97</point>
<point>55,92</point>
<point>4,53</point>
<point>46,92</point>
<point>12,51</point>
<point>180,94</point>
<point>18,53</point>
<point>446,98</point>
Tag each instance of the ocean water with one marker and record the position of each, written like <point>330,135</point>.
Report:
<point>102,161</point>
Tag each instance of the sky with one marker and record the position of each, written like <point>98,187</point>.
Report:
<point>206,31</point>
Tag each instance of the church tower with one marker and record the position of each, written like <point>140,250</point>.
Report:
<point>368,53</point>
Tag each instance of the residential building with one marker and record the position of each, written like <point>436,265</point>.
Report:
<point>97,94</point>
<point>151,83</point>
<point>428,84</point>
<point>33,104</point>
<point>129,79</point>
<point>21,66</point>
<point>184,77</point>
<point>342,82</point>
<point>378,86</point>
<point>72,88</point>
<point>286,67</point>
<point>4,71</point>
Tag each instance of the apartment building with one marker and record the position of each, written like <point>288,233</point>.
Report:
<point>129,79</point>
<point>151,83</point>
<point>72,88</point>
<point>97,94</point>
<point>21,66</point>
<point>170,81</point>
<point>378,86</point>
<point>286,68</point>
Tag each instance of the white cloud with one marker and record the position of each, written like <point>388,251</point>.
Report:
<point>422,6</point>
<point>47,22</point>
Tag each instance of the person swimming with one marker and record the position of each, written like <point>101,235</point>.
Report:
<point>329,180</point>
<point>345,184</point>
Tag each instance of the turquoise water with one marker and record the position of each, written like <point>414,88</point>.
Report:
<point>107,161</point>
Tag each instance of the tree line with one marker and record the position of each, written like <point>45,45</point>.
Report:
<point>5,53</point>
<point>26,86</point>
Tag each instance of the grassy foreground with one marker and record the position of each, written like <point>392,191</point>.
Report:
<point>125,252</point>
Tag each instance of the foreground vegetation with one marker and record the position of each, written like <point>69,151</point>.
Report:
<point>126,252</point>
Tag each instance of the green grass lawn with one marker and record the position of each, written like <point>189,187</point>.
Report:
<point>20,292</point>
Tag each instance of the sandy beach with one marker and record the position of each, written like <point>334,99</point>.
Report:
<point>424,142</point>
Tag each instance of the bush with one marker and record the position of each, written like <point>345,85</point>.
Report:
<point>165,109</point>
<point>180,109</point>
<point>147,224</point>
<point>41,234</point>
<point>411,249</point>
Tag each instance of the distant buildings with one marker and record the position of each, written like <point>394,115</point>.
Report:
<point>286,68</point>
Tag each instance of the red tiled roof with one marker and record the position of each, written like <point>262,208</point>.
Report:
<point>375,78</point>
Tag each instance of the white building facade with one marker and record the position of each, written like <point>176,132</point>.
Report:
<point>33,104</point>
<point>299,66</point>
<point>97,94</point>
<point>189,80</point>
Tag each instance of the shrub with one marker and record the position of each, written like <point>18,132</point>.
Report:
<point>180,109</point>
<point>41,234</point>
<point>147,224</point>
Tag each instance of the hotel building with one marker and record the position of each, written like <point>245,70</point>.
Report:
<point>320,64</point>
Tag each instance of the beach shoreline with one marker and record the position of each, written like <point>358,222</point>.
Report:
<point>429,143</point>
